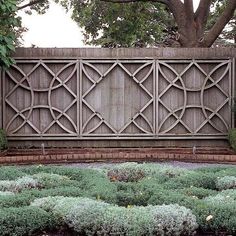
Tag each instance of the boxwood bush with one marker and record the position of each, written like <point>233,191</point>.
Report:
<point>226,182</point>
<point>90,217</point>
<point>232,138</point>
<point>25,221</point>
<point>3,139</point>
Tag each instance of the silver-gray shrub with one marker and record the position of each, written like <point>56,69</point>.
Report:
<point>39,180</point>
<point>91,217</point>
<point>222,198</point>
<point>19,184</point>
<point>226,182</point>
<point>6,193</point>
<point>173,220</point>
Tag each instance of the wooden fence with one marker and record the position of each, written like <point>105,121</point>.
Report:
<point>80,95</point>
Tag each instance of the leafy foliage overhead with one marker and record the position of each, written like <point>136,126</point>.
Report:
<point>135,24</point>
<point>9,22</point>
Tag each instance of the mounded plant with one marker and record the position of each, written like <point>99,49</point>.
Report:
<point>232,138</point>
<point>226,182</point>
<point>3,139</point>
<point>25,221</point>
<point>90,217</point>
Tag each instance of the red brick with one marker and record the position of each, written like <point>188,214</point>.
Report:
<point>121,155</point>
<point>98,155</point>
<point>59,157</point>
<point>75,156</point>
<point>69,157</point>
<point>19,158</point>
<point>2,159</point>
<point>233,158</point>
<point>41,158</point>
<point>227,158</point>
<point>87,156</point>
<point>30,158</point>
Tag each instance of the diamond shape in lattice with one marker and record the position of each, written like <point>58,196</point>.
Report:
<point>118,99</point>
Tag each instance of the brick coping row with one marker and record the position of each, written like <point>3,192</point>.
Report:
<point>115,157</point>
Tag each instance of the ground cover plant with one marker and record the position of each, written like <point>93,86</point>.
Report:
<point>125,199</point>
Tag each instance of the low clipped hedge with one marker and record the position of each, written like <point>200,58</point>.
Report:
<point>90,217</point>
<point>232,139</point>
<point>25,221</point>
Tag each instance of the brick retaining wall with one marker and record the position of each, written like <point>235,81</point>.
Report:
<point>113,155</point>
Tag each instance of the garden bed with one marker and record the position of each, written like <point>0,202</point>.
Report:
<point>124,199</point>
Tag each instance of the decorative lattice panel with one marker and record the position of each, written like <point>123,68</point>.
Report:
<point>118,98</point>
<point>41,98</point>
<point>193,97</point>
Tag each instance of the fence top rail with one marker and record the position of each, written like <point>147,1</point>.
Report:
<point>125,53</point>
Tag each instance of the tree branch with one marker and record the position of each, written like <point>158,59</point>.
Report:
<point>217,28</point>
<point>31,3</point>
<point>188,5</point>
<point>201,16</point>
<point>166,2</point>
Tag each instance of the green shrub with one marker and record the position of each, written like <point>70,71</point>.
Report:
<point>230,171</point>
<point>216,217</point>
<point>85,216</point>
<point>226,196</point>
<point>65,191</point>
<point>3,139</point>
<point>131,194</point>
<point>126,172</point>
<point>37,181</point>
<point>77,174</point>
<point>101,189</point>
<point>25,182</point>
<point>232,138</point>
<point>173,220</point>
<point>192,179</point>
<point>25,221</point>
<point>226,182</point>
<point>50,180</point>
<point>48,203</point>
<point>7,185</point>
<point>229,193</point>
<point>10,173</point>
<point>26,196</point>
<point>16,200</point>
<point>6,193</point>
<point>198,192</point>
<point>89,217</point>
<point>133,172</point>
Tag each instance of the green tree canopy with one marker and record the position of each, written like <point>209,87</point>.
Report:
<point>9,23</point>
<point>155,22</point>
<point>135,24</point>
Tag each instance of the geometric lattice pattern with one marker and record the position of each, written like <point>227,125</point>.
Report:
<point>41,99</point>
<point>194,97</point>
<point>118,98</point>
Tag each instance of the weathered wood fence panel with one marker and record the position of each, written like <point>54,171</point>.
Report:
<point>110,94</point>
